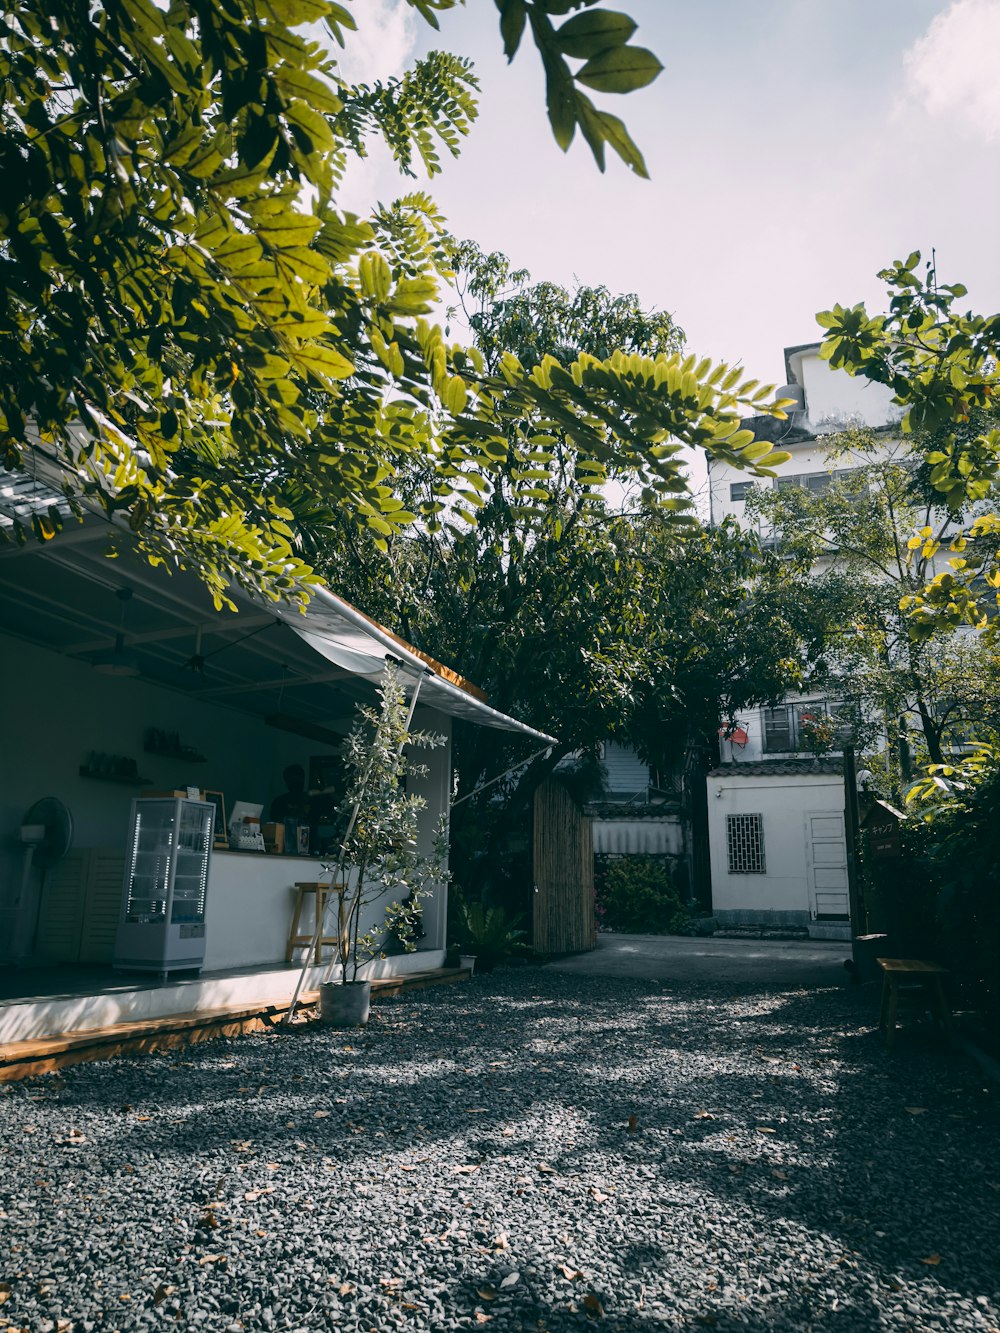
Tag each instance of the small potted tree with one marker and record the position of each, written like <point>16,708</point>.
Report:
<point>378,863</point>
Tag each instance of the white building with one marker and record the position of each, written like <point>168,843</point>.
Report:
<point>776,817</point>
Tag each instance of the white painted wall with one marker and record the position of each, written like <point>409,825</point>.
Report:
<point>57,710</point>
<point>783,802</point>
<point>836,400</point>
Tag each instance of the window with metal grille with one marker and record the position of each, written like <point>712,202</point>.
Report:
<point>745,841</point>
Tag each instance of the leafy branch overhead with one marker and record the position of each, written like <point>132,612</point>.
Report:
<point>196,339</point>
<point>943,368</point>
<point>600,39</point>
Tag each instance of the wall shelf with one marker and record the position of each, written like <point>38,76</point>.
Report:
<point>122,779</point>
<point>187,753</point>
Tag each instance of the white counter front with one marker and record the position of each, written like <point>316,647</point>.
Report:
<point>251,897</point>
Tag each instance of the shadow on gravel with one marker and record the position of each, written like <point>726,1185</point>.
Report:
<point>784,1108</point>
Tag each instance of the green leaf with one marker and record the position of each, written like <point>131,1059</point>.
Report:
<point>622,70</point>
<point>616,134</point>
<point>596,30</point>
<point>322,361</point>
<point>512,19</point>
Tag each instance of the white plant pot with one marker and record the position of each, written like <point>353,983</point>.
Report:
<point>468,960</point>
<point>345,1005</point>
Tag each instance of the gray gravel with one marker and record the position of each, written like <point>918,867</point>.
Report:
<point>531,1151</point>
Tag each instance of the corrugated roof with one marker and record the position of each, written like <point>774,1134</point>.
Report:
<point>760,768</point>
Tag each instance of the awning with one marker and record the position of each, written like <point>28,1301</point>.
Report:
<point>347,638</point>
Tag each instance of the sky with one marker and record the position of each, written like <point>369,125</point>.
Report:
<point>794,149</point>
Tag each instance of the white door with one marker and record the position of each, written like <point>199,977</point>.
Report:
<point>826,856</point>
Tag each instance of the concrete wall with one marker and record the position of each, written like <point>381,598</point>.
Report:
<point>56,711</point>
<point>782,893</point>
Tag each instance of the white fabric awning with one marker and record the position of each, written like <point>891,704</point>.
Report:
<point>348,639</point>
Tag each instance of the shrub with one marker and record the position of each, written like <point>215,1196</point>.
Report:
<point>638,896</point>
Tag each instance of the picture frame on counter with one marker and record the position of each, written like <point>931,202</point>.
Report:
<point>220,841</point>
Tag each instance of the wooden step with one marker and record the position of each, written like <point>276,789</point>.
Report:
<point>42,1055</point>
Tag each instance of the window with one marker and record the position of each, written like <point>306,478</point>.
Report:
<point>814,482</point>
<point>783,731</point>
<point>778,735</point>
<point>745,841</point>
<point>738,490</point>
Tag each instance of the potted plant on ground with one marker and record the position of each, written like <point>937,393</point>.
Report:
<point>490,935</point>
<point>378,865</point>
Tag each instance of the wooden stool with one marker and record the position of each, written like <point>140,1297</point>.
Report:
<point>295,939</point>
<point>929,975</point>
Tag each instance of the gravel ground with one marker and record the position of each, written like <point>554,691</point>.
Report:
<point>531,1151</point>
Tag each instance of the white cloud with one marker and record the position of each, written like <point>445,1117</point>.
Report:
<point>951,71</point>
<point>383,45</point>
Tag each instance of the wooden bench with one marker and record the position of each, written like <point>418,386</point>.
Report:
<point>929,976</point>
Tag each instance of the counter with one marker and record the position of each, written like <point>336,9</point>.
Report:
<point>251,897</point>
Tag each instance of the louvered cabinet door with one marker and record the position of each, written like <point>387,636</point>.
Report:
<point>61,914</point>
<point>103,905</point>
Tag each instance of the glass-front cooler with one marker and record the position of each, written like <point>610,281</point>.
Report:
<point>162,923</point>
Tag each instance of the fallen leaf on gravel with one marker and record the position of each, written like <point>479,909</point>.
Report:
<point>932,1259</point>
<point>240,1145</point>
<point>391,1283</point>
<point>252,1196</point>
<point>482,1318</point>
<point>464,1170</point>
<point>486,1293</point>
<point>763,1129</point>
<point>916,1110</point>
<point>593,1306</point>
<point>273,1166</point>
<point>511,1280</point>
<point>405,1166</point>
<point>546,1169</point>
<point>500,1242</point>
<point>633,1123</point>
<point>599,1196</point>
<point>476,1110</point>
<point>346,1288</point>
<point>320,1115</point>
<point>161,1293</point>
<point>570,1274</point>
<point>779,1175</point>
<point>214,1259</point>
<point>703,1115</point>
<point>4,1292</point>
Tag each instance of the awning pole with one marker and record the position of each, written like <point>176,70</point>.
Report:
<point>340,867</point>
<point>500,777</point>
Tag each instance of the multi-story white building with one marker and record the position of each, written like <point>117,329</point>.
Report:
<point>776,816</point>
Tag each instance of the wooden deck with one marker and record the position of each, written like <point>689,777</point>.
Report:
<point>43,1055</point>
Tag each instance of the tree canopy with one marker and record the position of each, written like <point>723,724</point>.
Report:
<point>944,370</point>
<point>855,539</point>
<point>194,336</point>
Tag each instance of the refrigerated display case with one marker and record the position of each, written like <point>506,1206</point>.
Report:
<point>162,924</point>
